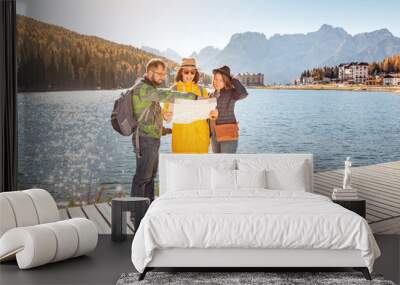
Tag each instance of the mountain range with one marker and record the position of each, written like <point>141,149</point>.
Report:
<point>168,53</point>
<point>283,57</point>
<point>67,59</point>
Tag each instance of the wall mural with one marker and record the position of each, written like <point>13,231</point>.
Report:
<point>68,82</point>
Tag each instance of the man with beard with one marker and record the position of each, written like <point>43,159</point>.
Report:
<point>146,98</point>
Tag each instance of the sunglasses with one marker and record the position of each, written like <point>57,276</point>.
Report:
<point>192,72</point>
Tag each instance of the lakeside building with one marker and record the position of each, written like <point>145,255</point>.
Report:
<point>307,80</point>
<point>391,80</point>
<point>374,80</point>
<point>353,72</point>
<point>251,79</point>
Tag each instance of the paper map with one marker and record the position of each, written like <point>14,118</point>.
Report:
<point>187,111</point>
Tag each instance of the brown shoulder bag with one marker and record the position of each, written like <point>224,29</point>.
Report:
<point>226,132</point>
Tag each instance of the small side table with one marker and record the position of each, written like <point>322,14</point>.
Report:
<point>357,206</point>
<point>119,206</point>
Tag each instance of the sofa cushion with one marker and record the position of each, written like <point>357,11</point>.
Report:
<point>46,207</point>
<point>27,208</point>
<point>7,220</point>
<point>23,208</point>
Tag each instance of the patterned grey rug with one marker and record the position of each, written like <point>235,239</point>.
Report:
<point>225,278</point>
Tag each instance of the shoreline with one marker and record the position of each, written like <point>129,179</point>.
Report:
<point>65,90</point>
<point>315,87</point>
<point>368,88</point>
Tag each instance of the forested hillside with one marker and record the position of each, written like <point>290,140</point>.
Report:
<point>54,58</point>
<point>388,65</point>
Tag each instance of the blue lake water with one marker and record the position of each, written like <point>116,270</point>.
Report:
<point>67,144</point>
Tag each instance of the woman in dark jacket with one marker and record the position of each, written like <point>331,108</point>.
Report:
<point>224,130</point>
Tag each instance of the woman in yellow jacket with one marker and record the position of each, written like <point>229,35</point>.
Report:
<point>193,137</point>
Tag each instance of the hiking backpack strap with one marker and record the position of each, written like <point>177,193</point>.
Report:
<point>141,117</point>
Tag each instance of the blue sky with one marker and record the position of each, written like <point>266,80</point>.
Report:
<point>188,25</point>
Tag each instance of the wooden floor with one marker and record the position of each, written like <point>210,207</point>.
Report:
<point>100,214</point>
<point>379,184</point>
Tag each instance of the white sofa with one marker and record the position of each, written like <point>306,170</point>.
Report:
<point>31,231</point>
